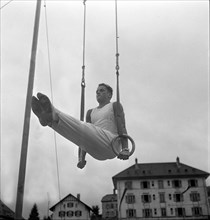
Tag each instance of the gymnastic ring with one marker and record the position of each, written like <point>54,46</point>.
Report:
<point>125,136</point>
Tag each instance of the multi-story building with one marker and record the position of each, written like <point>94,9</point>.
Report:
<point>208,195</point>
<point>71,207</point>
<point>109,206</point>
<point>162,190</point>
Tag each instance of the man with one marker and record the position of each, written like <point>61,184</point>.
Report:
<point>94,136</point>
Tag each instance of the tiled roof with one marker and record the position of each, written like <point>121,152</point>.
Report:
<point>159,170</point>
<point>109,198</point>
<point>70,195</point>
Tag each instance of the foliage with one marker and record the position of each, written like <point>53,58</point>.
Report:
<point>95,212</point>
<point>46,218</point>
<point>34,215</point>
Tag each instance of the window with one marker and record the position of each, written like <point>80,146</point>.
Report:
<point>153,196</point>
<point>172,211</point>
<point>155,211</point>
<point>196,211</point>
<point>130,213</point>
<point>160,184</point>
<point>78,213</point>
<point>70,214</point>
<point>168,182</point>
<point>128,184</point>
<point>61,213</point>
<point>163,212</point>
<point>194,196</point>
<point>193,183</point>
<point>130,198</point>
<point>169,196</point>
<point>162,197</point>
<point>70,204</point>
<point>177,183</point>
<point>146,198</point>
<point>145,184</point>
<point>107,206</point>
<point>178,197</point>
<point>147,213</point>
<point>180,212</point>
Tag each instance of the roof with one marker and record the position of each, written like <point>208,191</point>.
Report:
<point>109,198</point>
<point>70,195</point>
<point>159,170</point>
<point>6,211</point>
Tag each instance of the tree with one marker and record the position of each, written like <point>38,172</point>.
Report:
<point>46,218</point>
<point>95,212</point>
<point>34,215</point>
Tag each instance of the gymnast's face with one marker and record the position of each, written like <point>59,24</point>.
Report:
<point>102,94</point>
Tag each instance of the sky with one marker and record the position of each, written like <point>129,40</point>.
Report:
<point>164,89</point>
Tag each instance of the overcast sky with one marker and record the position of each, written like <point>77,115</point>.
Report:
<point>164,74</point>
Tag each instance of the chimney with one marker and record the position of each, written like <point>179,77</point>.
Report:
<point>178,162</point>
<point>136,164</point>
<point>78,196</point>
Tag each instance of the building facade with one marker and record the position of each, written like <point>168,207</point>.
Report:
<point>208,195</point>
<point>71,207</point>
<point>109,206</point>
<point>162,190</point>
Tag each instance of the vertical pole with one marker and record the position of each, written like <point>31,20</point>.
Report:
<point>24,149</point>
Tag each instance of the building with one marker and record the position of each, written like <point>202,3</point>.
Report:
<point>162,190</point>
<point>208,195</point>
<point>5,212</point>
<point>71,207</point>
<point>109,206</point>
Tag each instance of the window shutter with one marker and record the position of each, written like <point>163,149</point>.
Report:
<point>196,183</point>
<point>150,198</point>
<point>141,185</point>
<point>176,211</point>
<point>199,197</point>
<point>183,211</point>
<point>182,197</point>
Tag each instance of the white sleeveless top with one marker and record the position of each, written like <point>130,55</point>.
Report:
<point>104,118</point>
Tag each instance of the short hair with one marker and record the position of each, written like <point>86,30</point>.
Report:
<point>109,88</point>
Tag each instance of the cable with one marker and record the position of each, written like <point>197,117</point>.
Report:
<point>51,90</point>
<point>6,4</point>
<point>117,53</point>
<point>82,109</point>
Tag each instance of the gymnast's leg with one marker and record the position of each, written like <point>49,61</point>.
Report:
<point>88,137</point>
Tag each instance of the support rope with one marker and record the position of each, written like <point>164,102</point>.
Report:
<point>121,135</point>
<point>82,109</point>
<point>117,53</point>
<point>51,90</point>
<point>6,4</point>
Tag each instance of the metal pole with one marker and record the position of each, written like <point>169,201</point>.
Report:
<point>24,149</point>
